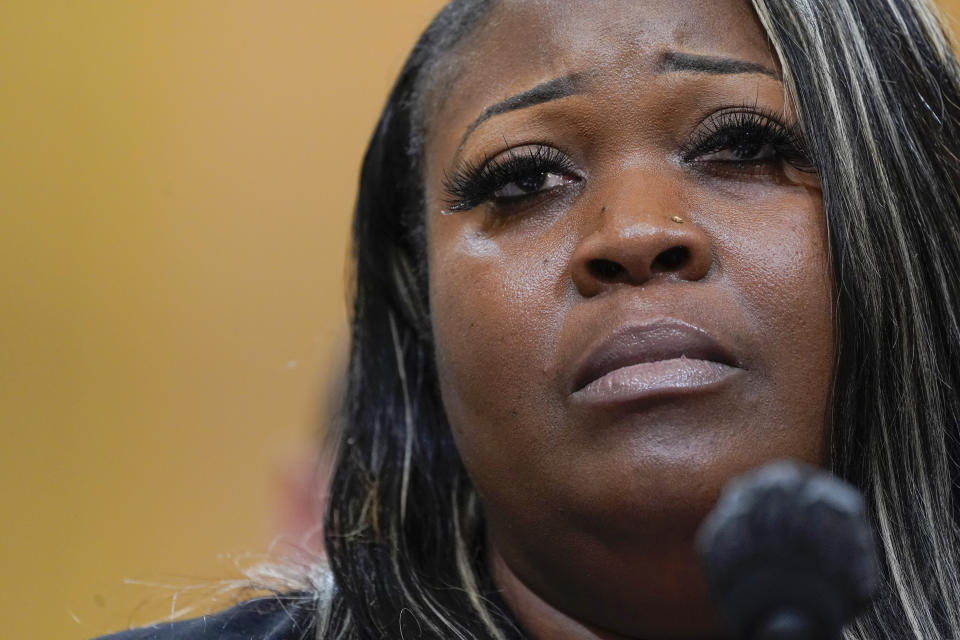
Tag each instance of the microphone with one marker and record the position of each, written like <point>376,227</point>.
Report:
<point>788,554</point>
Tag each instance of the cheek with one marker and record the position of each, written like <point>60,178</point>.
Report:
<point>494,307</point>
<point>777,261</point>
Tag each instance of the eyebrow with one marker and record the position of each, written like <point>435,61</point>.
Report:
<point>676,61</point>
<point>548,91</point>
<point>572,84</point>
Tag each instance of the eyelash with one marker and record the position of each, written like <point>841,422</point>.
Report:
<point>730,129</point>
<point>746,127</point>
<point>470,185</point>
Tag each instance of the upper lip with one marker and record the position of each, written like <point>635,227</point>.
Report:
<point>650,342</point>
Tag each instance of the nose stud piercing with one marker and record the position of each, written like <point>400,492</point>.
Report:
<point>677,219</point>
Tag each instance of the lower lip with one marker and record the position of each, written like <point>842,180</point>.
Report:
<point>678,376</point>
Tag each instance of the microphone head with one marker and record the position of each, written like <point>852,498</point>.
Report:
<point>788,552</point>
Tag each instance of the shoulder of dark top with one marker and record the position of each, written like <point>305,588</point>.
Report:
<point>289,616</point>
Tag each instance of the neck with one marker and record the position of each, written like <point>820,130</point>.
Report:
<point>537,617</point>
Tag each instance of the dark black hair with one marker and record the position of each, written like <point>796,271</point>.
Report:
<point>402,523</point>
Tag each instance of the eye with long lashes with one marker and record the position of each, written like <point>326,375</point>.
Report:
<point>747,140</point>
<point>515,176</point>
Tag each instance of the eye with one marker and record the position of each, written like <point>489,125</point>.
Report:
<point>532,184</point>
<point>511,177</point>
<point>747,140</point>
<point>746,152</point>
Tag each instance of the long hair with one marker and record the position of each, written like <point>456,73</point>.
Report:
<point>877,89</point>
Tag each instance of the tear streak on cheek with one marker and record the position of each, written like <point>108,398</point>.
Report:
<point>476,245</point>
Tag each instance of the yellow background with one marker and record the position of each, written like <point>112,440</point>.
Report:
<point>176,180</point>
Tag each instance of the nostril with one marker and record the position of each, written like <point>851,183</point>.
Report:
<point>671,259</point>
<point>605,269</point>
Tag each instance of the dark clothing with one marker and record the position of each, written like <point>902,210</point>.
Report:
<point>269,618</point>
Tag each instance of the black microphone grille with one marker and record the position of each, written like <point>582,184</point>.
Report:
<point>788,552</point>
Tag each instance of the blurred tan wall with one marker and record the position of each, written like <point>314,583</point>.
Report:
<point>176,178</point>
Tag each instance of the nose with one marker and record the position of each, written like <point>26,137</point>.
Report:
<point>633,241</point>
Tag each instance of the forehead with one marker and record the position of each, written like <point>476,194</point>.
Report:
<point>524,42</point>
<point>605,27</point>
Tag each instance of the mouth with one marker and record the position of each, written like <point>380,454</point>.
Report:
<point>667,357</point>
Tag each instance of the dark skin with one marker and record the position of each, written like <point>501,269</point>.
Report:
<point>593,503</point>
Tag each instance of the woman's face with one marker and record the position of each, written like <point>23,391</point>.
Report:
<point>629,290</point>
